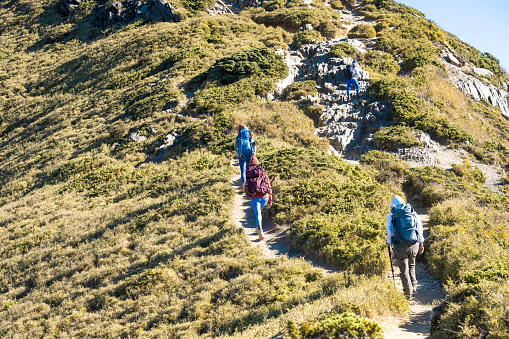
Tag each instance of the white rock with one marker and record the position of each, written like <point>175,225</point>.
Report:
<point>482,71</point>
<point>136,137</point>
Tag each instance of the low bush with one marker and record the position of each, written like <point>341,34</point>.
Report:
<point>435,185</point>
<point>336,210</point>
<point>389,138</point>
<point>344,325</point>
<point>300,89</point>
<point>475,311</point>
<point>331,29</point>
<point>344,49</point>
<point>237,78</point>
<point>381,63</point>
<point>306,37</point>
<point>362,31</point>
<point>295,17</point>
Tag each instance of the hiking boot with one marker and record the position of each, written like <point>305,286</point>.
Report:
<point>260,233</point>
<point>409,297</point>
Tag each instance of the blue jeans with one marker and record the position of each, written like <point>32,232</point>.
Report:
<point>350,82</point>
<point>258,204</point>
<point>243,164</point>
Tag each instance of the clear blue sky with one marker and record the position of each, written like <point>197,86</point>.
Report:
<point>483,24</point>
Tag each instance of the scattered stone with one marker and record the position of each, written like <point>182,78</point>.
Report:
<point>136,137</point>
<point>169,140</point>
<point>68,6</point>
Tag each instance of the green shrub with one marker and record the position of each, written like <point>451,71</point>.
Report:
<point>384,161</point>
<point>336,210</point>
<point>344,49</point>
<point>240,77</point>
<point>388,138</point>
<point>299,89</point>
<point>295,17</point>
<point>475,310</point>
<point>344,325</point>
<point>362,31</point>
<point>330,29</point>
<point>337,5</point>
<point>381,62</point>
<point>306,37</point>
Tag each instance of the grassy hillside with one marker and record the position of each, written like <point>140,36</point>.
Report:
<point>104,237</point>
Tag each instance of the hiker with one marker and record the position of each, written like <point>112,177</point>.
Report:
<point>404,232</point>
<point>259,190</point>
<point>351,75</point>
<point>246,148</point>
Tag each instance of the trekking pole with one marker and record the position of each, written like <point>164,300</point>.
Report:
<point>390,259</point>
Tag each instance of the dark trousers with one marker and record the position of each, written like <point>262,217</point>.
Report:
<point>405,256</point>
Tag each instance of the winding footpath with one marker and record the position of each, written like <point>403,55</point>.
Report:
<point>276,244</point>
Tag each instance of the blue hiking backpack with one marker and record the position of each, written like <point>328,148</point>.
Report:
<point>244,143</point>
<point>405,224</point>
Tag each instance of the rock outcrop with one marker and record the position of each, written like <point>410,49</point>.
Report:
<point>349,125</point>
<point>127,11</point>
<point>232,6</point>
<point>478,88</point>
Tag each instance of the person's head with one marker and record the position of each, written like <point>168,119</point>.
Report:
<point>254,161</point>
<point>355,64</point>
<point>397,201</point>
<point>240,126</point>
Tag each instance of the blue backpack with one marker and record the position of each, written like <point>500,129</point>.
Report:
<point>244,143</point>
<point>405,224</point>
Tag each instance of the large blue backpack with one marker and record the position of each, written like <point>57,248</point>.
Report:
<point>404,223</point>
<point>245,143</point>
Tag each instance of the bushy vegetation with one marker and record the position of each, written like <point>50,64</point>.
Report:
<point>306,37</point>
<point>344,325</point>
<point>469,248</point>
<point>388,138</point>
<point>239,77</point>
<point>362,31</point>
<point>344,49</point>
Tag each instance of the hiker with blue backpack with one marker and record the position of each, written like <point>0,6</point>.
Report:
<point>351,75</point>
<point>404,233</point>
<point>246,148</point>
<point>258,188</point>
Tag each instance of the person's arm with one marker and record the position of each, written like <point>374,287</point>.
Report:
<point>420,235</point>
<point>356,72</point>
<point>390,229</point>
<point>270,187</point>
<point>235,143</point>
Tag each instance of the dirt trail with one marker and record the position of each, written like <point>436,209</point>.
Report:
<point>428,290</point>
<point>275,244</point>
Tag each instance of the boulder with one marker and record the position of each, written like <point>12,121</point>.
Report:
<point>453,60</point>
<point>482,72</point>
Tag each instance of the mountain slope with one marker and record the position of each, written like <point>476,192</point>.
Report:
<point>116,134</point>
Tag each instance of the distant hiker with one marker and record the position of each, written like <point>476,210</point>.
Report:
<point>246,148</point>
<point>404,232</point>
<point>259,190</point>
<point>351,75</point>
